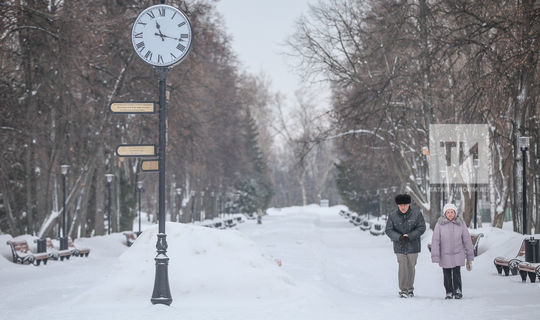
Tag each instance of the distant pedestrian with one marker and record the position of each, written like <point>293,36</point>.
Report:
<point>404,227</point>
<point>450,246</point>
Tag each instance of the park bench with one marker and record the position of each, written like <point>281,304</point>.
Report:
<point>130,237</point>
<point>22,254</point>
<point>219,225</point>
<point>355,219</point>
<point>55,253</point>
<point>377,228</point>
<point>76,251</point>
<point>510,264</point>
<point>229,223</point>
<point>531,265</point>
<point>475,238</point>
<point>530,269</point>
<point>365,225</point>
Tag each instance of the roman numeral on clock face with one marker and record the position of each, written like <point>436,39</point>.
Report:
<point>161,12</point>
<point>148,55</point>
<point>181,47</point>
<point>138,35</point>
<point>173,56</point>
<point>159,59</point>
<point>140,46</point>
<point>184,36</point>
<point>181,24</point>
<point>151,14</point>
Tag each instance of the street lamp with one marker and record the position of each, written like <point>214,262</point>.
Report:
<point>179,193</point>
<point>475,165</point>
<point>220,204</point>
<point>109,177</point>
<point>140,189</point>
<point>192,205</point>
<point>385,190</point>
<point>213,201</point>
<point>201,217</point>
<point>63,239</point>
<point>524,146</point>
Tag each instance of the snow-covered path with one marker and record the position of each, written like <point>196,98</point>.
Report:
<point>330,270</point>
<point>352,274</point>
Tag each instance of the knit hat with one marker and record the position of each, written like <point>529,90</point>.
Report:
<point>449,206</point>
<point>403,199</point>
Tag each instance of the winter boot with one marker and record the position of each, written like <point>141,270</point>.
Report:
<point>458,294</point>
<point>411,294</point>
<point>403,294</point>
<point>449,295</point>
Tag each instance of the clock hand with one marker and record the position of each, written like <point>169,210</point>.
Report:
<point>160,34</point>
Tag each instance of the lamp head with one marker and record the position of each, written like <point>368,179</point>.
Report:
<point>524,143</point>
<point>139,184</point>
<point>64,169</point>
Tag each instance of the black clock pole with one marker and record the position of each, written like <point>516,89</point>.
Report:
<point>162,292</point>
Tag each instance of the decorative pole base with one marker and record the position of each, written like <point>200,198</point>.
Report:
<point>162,292</point>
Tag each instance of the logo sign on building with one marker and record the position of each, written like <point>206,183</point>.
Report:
<point>459,154</point>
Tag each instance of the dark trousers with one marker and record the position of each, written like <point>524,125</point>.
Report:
<point>452,279</point>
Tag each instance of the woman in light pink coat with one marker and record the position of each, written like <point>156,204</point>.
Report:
<point>450,246</point>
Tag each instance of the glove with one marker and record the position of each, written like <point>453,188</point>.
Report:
<point>403,240</point>
<point>469,265</point>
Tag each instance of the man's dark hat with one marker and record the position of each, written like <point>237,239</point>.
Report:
<point>403,199</point>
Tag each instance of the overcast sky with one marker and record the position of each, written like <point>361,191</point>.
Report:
<point>259,29</point>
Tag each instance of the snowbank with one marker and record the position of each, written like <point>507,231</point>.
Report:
<point>205,264</point>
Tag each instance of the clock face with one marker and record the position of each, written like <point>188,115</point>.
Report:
<point>161,35</point>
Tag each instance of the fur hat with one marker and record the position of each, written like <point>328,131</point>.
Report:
<point>449,206</point>
<point>403,199</point>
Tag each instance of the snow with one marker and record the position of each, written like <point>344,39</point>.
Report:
<point>330,270</point>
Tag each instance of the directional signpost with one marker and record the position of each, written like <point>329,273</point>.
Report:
<point>136,150</point>
<point>131,107</point>
<point>161,36</point>
<point>150,165</point>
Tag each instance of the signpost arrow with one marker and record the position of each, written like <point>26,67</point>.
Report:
<point>130,107</point>
<point>150,165</point>
<point>136,150</point>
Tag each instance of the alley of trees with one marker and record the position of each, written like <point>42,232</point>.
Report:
<point>397,66</point>
<point>63,62</point>
<point>394,67</point>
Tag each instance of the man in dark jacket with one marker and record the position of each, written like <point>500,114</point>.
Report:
<point>404,227</point>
